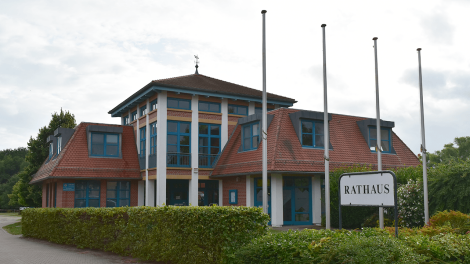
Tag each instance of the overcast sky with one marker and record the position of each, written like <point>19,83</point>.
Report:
<point>88,56</point>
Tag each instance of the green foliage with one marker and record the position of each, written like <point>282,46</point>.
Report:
<point>448,185</point>
<point>325,246</point>
<point>30,195</point>
<point>459,222</point>
<point>411,204</point>
<point>451,153</point>
<point>176,234</point>
<point>12,161</point>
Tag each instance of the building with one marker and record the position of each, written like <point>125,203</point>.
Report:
<point>208,150</point>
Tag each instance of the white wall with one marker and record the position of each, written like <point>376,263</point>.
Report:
<point>224,127</point>
<point>193,183</point>
<point>141,190</point>
<point>161,148</point>
<point>316,199</point>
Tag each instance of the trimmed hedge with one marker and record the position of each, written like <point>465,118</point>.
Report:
<point>176,234</point>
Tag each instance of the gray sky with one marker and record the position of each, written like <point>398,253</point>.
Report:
<point>88,56</point>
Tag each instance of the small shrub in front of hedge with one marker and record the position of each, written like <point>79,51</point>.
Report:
<point>176,234</point>
<point>325,246</point>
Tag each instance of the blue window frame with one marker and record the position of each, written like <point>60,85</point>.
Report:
<point>250,136</point>
<point>87,194</point>
<point>125,120</point>
<point>178,103</point>
<point>134,115</point>
<point>238,109</point>
<point>143,139</point>
<point>209,106</point>
<point>153,138</point>
<point>104,145</point>
<point>118,194</point>
<point>179,144</point>
<point>385,138</point>
<point>209,144</point>
<point>143,110</point>
<point>312,134</point>
<point>51,150</point>
<point>153,104</point>
<point>59,145</point>
<point>233,196</point>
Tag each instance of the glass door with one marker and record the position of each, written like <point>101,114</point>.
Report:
<point>208,193</point>
<point>297,198</point>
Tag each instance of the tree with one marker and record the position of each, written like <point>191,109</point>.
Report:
<point>452,153</point>
<point>30,195</point>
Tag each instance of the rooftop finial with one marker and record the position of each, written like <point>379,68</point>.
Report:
<point>197,62</point>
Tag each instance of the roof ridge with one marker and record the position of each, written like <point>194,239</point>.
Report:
<point>171,78</point>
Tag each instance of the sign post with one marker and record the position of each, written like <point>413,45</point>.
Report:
<point>374,188</point>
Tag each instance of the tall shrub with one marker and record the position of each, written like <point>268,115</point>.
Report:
<point>411,204</point>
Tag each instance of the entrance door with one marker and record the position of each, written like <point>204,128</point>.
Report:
<point>258,201</point>
<point>208,193</point>
<point>177,192</point>
<point>297,198</point>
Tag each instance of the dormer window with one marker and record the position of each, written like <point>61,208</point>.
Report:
<point>312,134</point>
<point>59,145</point>
<point>104,145</point>
<point>250,136</point>
<point>51,150</point>
<point>385,138</point>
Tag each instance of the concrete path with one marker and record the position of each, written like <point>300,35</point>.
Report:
<point>20,250</point>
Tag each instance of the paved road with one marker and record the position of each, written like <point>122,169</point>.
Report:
<point>20,250</point>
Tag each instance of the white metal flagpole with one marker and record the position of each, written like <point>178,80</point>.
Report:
<point>326,141</point>
<point>423,144</point>
<point>378,147</point>
<point>264,135</point>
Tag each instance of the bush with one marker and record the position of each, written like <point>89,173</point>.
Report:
<point>410,199</point>
<point>325,246</point>
<point>459,222</point>
<point>176,234</point>
<point>448,187</point>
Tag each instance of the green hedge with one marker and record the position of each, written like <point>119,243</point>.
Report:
<point>176,234</point>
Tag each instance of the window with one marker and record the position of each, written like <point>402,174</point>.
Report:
<point>143,137</point>
<point>134,115</point>
<point>250,136</point>
<point>312,134</point>
<point>238,110</point>
<point>209,107</point>
<point>59,145</point>
<point>118,194</point>
<point>178,103</point>
<point>51,150</point>
<point>153,138</point>
<point>153,105</point>
<point>384,137</point>
<point>143,110</point>
<point>125,120</point>
<point>87,194</point>
<point>258,110</point>
<point>104,145</point>
<point>179,144</point>
<point>209,144</point>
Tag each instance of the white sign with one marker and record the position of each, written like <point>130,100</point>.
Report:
<point>369,189</point>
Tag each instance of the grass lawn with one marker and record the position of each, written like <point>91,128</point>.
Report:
<point>9,214</point>
<point>14,229</point>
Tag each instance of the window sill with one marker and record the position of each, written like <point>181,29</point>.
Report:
<point>103,157</point>
<point>142,117</point>
<point>178,168</point>
<point>179,110</point>
<point>132,122</point>
<point>153,111</point>
<point>234,115</point>
<point>209,113</point>
<point>206,169</point>
<point>243,151</point>
<point>386,153</point>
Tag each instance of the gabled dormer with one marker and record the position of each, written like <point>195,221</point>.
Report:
<point>309,127</point>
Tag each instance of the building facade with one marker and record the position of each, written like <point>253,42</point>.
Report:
<point>195,140</point>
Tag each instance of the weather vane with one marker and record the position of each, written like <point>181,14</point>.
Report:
<point>196,62</point>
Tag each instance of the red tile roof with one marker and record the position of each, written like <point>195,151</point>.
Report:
<point>74,162</point>
<point>285,153</point>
